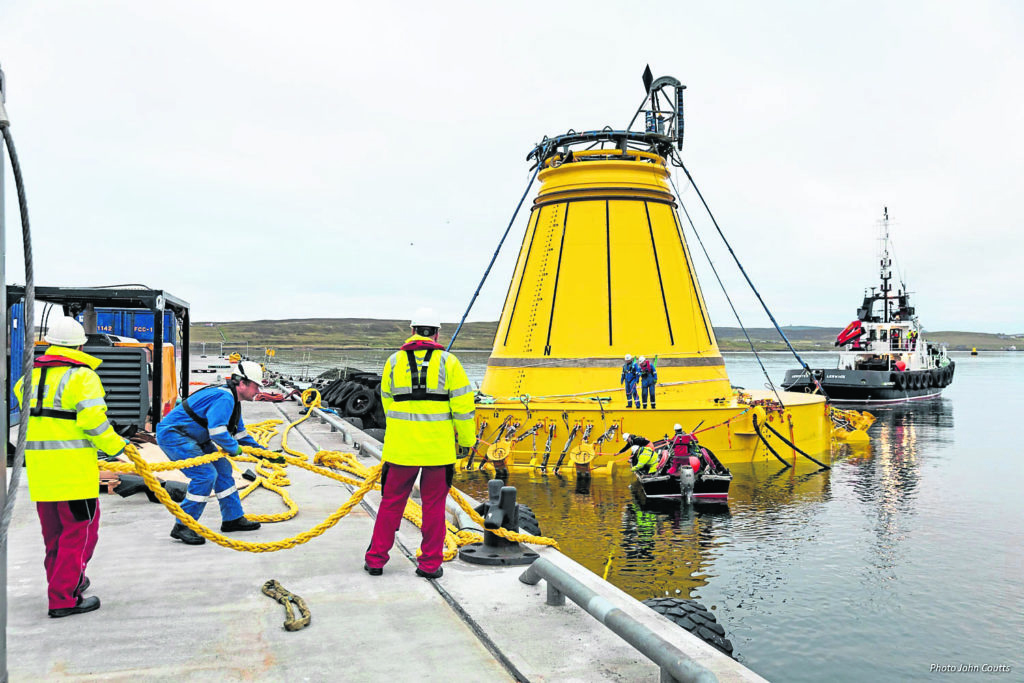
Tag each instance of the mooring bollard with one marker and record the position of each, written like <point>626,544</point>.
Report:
<point>499,512</point>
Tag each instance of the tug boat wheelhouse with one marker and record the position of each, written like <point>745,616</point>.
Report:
<point>883,355</point>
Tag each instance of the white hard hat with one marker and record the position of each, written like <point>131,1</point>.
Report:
<point>634,449</point>
<point>678,427</point>
<point>626,436</point>
<point>426,317</point>
<point>643,358</point>
<point>249,370</point>
<point>65,332</point>
<point>629,356</point>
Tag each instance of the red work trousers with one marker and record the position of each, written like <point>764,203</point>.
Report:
<point>69,546</point>
<point>394,494</point>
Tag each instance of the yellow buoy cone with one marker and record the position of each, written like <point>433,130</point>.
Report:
<point>604,271</point>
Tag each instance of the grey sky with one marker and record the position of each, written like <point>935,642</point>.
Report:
<point>337,159</point>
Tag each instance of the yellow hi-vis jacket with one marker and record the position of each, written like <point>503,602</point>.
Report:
<point>66,428</point>
<point>646,460</point>
<point>429,412</point>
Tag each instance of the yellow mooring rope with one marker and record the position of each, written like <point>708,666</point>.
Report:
<point>272,476</point>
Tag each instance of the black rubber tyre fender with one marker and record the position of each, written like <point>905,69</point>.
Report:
<point>895,379</point>
<point>695,618</point>
<point>901,381</point>
<point>360,402</point>
<point>528,522</point>
<point>337,396</point>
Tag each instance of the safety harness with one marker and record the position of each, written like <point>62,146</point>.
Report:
<point>44,363</point>
<point>418,374</point>
<point>236,412</point>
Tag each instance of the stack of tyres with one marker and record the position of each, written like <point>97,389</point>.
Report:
<point>356,395</point>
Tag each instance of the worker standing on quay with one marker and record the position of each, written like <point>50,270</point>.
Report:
<point>630,375</point>
<point>67,424</point>
<point>648,379</point>
<point>429,406</point>
<point>209,418</point>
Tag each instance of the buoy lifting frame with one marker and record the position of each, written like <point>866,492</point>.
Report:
<point>663,129</point>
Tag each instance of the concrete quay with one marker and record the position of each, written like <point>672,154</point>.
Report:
<point>176,612</point>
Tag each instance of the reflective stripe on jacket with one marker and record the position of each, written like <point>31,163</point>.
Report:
<point>645,457</point>
<point>60,454</point>
<point>426,417</point>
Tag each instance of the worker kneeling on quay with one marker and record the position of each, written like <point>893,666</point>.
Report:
<point>67,424</point>
<point>209,418</point>
<point>429,405</point>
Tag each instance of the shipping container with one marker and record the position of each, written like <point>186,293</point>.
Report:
<point>15,326</point>
<point>135,323</point>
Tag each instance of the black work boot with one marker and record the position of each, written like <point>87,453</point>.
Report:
<point>84,605</point>
<point>186,535</point>
<point>430,575</point>
<point>240,524</point>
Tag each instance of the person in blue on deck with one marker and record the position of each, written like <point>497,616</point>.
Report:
<point>208,419</point>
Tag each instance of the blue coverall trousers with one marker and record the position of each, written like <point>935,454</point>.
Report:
<point>215,476</point>
<point>631,396</point>
<point>647,390</point>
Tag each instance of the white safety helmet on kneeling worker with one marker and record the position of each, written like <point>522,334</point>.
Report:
<point>426,317</point>
<point>65,332</point>
<point>634,449</point>
<point>628,357</point>
<point>249,370</point>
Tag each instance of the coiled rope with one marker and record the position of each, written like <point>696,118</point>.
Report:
<point>325,463</point>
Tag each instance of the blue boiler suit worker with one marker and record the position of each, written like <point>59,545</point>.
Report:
<point>629,377</point>
<point>209,418</point>
<point>648,378</point>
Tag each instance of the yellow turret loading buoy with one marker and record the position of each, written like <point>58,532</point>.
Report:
<point>603,271</point>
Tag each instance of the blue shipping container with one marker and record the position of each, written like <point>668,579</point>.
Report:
<point>135,323</point>
<point>14,336</point>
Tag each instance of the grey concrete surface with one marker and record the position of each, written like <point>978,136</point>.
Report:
<point>178,612</point>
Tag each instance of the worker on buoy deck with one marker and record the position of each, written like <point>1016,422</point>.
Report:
<point>209,418</point>
<point>630,376</point>
<point>648,380</point>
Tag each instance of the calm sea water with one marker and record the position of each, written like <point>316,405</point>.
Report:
<point>908,554</point>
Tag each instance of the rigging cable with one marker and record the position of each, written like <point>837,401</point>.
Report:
<point>28,330</point>
<point>494,258</point>
<point>726,293</point>
<point>747,277</point>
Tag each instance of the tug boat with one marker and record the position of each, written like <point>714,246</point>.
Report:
<point>883,355</point>
<point>695,476</point>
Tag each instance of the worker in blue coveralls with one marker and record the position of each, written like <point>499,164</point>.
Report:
<point>648,378</point>
<point>629,377</point>
<point>206,420</point>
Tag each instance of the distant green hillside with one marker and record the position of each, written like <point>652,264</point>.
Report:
<point>362,333</point>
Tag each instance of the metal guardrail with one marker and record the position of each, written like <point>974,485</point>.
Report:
<point>674,663</point>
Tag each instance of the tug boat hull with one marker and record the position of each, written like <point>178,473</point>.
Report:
<point>872,386</point>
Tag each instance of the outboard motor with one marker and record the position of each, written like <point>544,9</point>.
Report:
<point>686,480</point>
